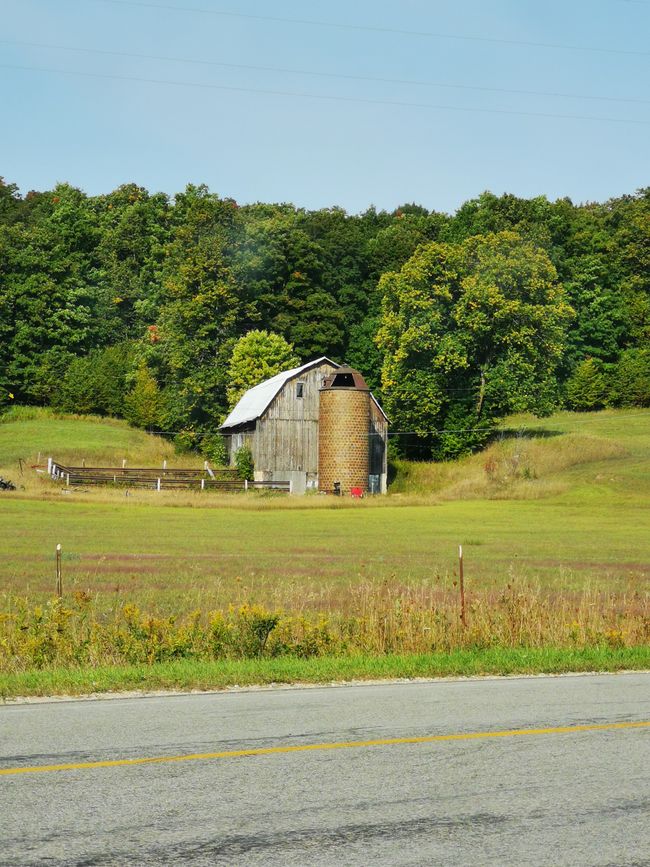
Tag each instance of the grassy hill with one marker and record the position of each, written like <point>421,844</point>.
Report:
<point>26,432</point>
<point>569,454</point>
<point>577,454</point>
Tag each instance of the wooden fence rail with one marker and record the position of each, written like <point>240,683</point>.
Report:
<point>219,479</point>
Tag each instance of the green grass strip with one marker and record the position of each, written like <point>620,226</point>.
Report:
<point>189,674</point>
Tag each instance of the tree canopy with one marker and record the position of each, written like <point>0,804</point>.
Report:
<point>143,305</point>
<point>470,332</point>
<point>257,356</point>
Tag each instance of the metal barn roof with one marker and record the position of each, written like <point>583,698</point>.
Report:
<point>256,400</point>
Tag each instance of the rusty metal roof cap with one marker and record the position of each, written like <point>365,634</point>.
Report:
<point>346,377</point>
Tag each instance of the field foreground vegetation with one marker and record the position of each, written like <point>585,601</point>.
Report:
<point>187,590</point>
<point>194,675</point>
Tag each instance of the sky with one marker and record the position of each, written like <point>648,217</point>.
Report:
<point>348,103</point>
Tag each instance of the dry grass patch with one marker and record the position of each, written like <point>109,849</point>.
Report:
<point>510,468</point>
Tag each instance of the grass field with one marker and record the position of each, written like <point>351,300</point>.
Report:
<point>572,508</point>
<point>555,510</point>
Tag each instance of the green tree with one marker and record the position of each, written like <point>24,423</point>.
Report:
<point>202,311</point>
<point>257,356</point>
<point>135,227</point>
<point>143,404</point>
<point>470,333</point>
<point>49,300</point>
<point>96,383</point>
<point>283,270</point>
<point>631,379</point>
<point>588,387</point>
<point>363,353</point>
<point>631,247</point>
<point>76,392</point>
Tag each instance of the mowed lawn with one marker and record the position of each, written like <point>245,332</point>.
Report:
<point>593,530</point>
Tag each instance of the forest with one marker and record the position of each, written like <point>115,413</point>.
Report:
<point>164,309</point>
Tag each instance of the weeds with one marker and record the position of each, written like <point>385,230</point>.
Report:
<point>378,620</point>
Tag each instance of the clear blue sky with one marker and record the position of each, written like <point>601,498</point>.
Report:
<point>114,125</point>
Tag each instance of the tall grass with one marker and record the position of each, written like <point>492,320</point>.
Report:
<point>371,619</point>
<point>511,468</point>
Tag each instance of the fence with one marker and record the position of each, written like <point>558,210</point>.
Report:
<point>158,479</point>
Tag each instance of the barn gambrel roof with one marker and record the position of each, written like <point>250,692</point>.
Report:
<point>257,400</point>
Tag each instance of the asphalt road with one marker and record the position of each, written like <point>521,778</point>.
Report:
<point>544,797</point>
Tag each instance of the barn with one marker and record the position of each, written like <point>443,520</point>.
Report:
<point>318,426</point>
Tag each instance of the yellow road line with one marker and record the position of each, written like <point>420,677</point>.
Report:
<point>342,745</point>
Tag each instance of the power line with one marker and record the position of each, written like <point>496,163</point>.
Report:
<point>374,28</point>
<point>328,98</point>
<point>503,428</point>
<point>318,74</point>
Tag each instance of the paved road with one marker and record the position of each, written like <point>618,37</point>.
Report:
<point>541,798</point>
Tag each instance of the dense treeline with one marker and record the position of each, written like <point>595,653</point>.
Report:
<point>138,305</point>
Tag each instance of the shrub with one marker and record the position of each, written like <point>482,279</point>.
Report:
<point>587,389</point>
<point>143,404</point>
<point>244,462</point>
<point>213,447</point>
<point>631,379</point>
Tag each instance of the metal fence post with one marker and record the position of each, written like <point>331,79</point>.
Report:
<point>461,578</point>
<point>59,576</point>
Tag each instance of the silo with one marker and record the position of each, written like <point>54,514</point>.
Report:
<point>343,432</point>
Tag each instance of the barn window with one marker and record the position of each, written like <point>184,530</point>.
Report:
<point>300,389</point>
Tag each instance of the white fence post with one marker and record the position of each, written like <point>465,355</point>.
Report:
<point>49,466</point>
<point>203,484</point>
<point>158,485</point>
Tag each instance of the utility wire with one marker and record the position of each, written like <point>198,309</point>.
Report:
<point>375,29</point>
<point>504,429</point>
<point>335,75</point>
<point>328,98</point>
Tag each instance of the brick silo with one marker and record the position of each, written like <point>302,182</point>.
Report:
<point>343,432</point>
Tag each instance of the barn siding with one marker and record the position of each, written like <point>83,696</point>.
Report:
<point>287,433</point>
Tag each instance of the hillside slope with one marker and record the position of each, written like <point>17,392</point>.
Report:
<point>27,431</point>
<point>579,455</point>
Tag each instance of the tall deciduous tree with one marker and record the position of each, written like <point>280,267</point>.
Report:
<point>257,356</point>
<point>203,307</point>
<point>469,333</point>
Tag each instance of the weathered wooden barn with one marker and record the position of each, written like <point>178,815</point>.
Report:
<point>318,426</point>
